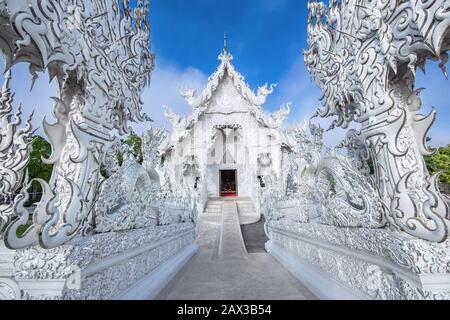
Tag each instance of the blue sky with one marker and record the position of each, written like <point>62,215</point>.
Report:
<point>265,37</point>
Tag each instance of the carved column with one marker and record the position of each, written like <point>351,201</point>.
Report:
<point>396,141</point>
<point>364,56</point>
<point>99,54</point>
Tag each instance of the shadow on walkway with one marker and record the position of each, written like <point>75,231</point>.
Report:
<point>254,236</point>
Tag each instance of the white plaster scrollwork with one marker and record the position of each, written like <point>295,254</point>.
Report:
<point>382,277</point>
<point>232,126</point>
<point>380,232</point>
<point>132,197</point>
<point>238,80</point>
<point>364,55</point>
<point>275,120</point>
<point>9,288</point>
<point>99,54</point>
<point>109,263</point>
<point>15,148</point>
<point>351,201</point>
<point>124,200</point>
<point>225,88</point>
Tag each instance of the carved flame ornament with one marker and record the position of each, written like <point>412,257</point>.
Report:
<point>15,148</point>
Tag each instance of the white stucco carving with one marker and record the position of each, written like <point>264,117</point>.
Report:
<point>106,264</point>
<point>374,234</point>
<point>322,185</point>
<point>367,263</point>
<point>132,198</point>
<point>98,52</point>
<point>15,148</point>
<point>366,68</point>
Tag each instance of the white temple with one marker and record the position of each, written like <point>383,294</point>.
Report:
<point>228,144</point>
<point>370,224</point>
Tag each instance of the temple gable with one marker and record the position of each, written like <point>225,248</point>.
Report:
<point>227,99</point>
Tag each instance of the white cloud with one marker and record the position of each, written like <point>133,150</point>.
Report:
<point>296,87</point>
<point>163,90</point>
<point>39,99</point>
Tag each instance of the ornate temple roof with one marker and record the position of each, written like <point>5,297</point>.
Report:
<point>200,103</point>
<point>227,68</point>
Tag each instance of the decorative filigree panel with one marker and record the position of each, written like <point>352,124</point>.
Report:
<point>341,259</point>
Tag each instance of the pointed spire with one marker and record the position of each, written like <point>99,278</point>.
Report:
<point>225,46</point>
<point>225,55</point>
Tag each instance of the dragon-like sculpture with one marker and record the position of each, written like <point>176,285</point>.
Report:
<point>324,186</point>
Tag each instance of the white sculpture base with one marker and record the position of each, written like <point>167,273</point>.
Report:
<point>357,263</point>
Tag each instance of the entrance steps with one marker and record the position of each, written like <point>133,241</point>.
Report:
<point>213,206</point>
<point>245,205</point>
<point>247,211</point>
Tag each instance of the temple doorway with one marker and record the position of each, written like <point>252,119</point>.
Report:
<point>228,183</point>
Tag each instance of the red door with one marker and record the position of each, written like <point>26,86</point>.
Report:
<point>228,183</point>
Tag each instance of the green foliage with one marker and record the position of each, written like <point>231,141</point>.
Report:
<point>440,161</point>
<point>135,142</point>
<point>36,168</point>
<point>21,229</point>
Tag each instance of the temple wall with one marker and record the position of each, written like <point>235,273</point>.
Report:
<point>238,150</point>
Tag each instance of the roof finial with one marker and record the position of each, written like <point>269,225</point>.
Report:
<point>225,47</point>
<point>225,56</point>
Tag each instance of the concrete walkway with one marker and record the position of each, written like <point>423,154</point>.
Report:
<point>223,270</point>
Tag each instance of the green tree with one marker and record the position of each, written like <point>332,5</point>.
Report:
<point>440,161</point>
<point>135,143</point>
<point>41,148</point>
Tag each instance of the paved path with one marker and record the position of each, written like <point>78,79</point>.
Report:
<point>223,270</point>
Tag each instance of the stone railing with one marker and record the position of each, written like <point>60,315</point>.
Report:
<point>9,288</point>
<point>359,263</point>
<point>135,264</point>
